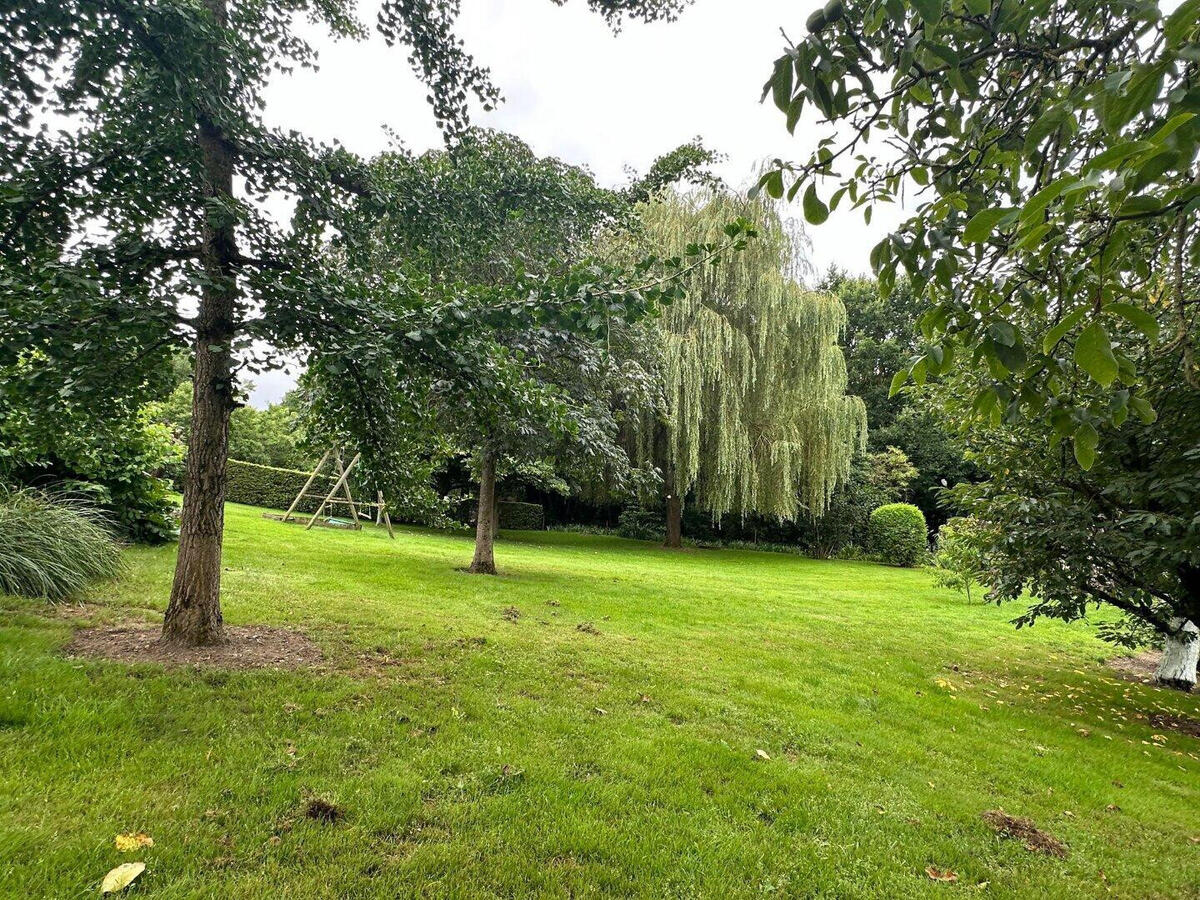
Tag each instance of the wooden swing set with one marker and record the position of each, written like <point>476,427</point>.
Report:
<point>329,500</point>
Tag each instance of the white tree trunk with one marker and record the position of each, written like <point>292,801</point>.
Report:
<point>1180,652</point>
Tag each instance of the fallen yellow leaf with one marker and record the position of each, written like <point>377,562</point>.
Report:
<point>127,843</point>
<point>121,877</point>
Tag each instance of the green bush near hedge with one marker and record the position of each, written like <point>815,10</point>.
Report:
<point>898,534</point>
<point>273,488</point>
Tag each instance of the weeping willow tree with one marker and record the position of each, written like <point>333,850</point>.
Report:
<point>754,415</point>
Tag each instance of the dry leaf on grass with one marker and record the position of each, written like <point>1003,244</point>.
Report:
<point>761,754</point>
<point>941,874</point>
<point>127,843</point>
<point>121,877</point>
<point>1035,839</point>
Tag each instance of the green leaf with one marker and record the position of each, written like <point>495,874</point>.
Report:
<point>814,209</point>
<point>1093,354</point>
<point>1037,204</point>
<point>1034,236</point>
<point>1143,410</point>
<point>1003,332</point>
<point>1055,334</point>
<point>898,382</point>
<point>773,182</point>
<point>1182,22</point>
<point>929,10</point>
<point>1086,440</point>
<point>1115,155</point>
<point>781,83</point>
<point>983,223</point>
<point>1139,318</point>
<point>1174,123</point>
<point>1143,203</point>
<point>1047,123</point>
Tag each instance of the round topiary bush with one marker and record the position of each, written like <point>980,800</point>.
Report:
<point>898,534</point>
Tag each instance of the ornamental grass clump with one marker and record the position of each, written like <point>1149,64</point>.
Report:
<point>52,545</point>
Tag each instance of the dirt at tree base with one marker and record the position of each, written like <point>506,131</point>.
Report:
<point>1140,668</point>
<point>1168,722</point>
<point>245,647</point>
<point>1022,829</point>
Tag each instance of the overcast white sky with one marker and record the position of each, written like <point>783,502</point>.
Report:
<point>576,91</point>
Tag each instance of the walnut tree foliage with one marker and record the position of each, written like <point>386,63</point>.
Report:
<point>1047,150</point>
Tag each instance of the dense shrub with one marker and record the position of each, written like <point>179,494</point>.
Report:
<point>273,488</point>
<point>53,545</point>
<point>641,524</point>
<point>121,463</point>
<point>522,516</point>
<point>898,534</point>
<point>875,479</point>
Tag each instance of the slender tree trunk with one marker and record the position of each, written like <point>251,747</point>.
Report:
<point>194,613</point>
<point>484,562</point>
<point>674,521</point>
<point>1181,650</point>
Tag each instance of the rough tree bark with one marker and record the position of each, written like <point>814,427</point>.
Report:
<point>674,521</point>
<point>484,562</point>
<point>1181,650</point>
<point>194,613</point>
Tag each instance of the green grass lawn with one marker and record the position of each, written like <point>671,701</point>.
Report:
<point>475,755</point>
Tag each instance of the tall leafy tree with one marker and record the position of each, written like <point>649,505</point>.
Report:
<point>754,416</point>
<point>489,212</point>
<point>1051,151</point>
<point>1122,533</point>
<point>107,224</point>
<point>881,336</point>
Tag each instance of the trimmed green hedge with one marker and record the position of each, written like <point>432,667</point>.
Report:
<point>268,486</point>
<point>898,534</point>
<point>522,516</point>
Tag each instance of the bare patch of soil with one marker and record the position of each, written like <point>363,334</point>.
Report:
<point>1022,829</point>
<point>1140,668</point>
<point>245,647</point>
<point>75,610</point>
<point>1182,724</point>
<point>323,811</point>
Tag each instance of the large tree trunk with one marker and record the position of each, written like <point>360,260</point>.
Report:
<point>194,612</point>
<point>1181,650</point>
<point>484,562</point>
<point>674,521</point>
